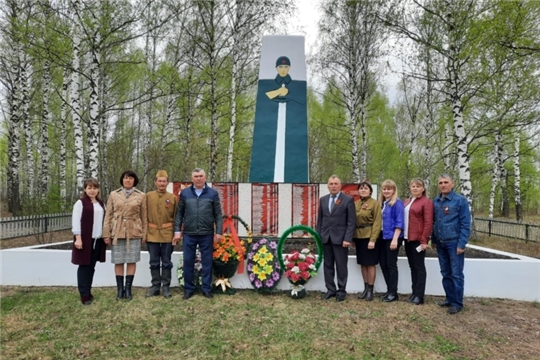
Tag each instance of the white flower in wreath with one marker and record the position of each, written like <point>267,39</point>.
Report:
<point>302,257</point>
<point>295,270</point>
<point>312,267</point>
<point>305,251</point>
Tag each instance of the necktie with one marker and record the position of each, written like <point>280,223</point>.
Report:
<point>333,203</point>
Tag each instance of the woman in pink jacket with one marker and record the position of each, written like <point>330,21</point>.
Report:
<point>418,226</point>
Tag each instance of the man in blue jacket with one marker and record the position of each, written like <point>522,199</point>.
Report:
<point>451,230</point>
<point>199,211</point>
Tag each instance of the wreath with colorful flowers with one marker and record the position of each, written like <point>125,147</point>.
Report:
<point>297,260</point>
<point>228,255</point>
<point>263,267</point>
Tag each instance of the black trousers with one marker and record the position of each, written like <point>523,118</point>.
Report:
<point>85,273</point>
<point>160,255</point>
<point>336,258</point>
<point>418,267</point>
<point>388,262</point>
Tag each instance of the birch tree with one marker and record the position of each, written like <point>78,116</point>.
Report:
<point>351,43</point>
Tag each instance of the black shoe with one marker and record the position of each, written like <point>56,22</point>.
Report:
<point>167,292</point>
<point>154,291</point>
<point>385,295</point>
<point>417,300</point>
<point>390,297</point>
<point>410,298</point>
<point>208,295</point>
<point>166,280</point>
<point>129,282</point>
<point>120,287</point>
<point>453,310</point>
<point>187,295</point>
<point>363,294</point>
<point>340,297</point>
<point>444,303</point>
<point>328,295</point>
<point>369,293</point>
<point>86,300</point>
<point>156,283</point>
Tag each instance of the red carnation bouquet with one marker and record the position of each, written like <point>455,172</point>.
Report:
<point>300,266</point>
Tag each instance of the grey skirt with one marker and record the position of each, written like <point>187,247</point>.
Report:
<point>120,254</point>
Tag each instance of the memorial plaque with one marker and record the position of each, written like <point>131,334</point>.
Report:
<point>264,209</point>
<point>305,200</point>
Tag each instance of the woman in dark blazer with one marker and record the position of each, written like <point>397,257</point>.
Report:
<point>418,226</point>
<point>88,246</point>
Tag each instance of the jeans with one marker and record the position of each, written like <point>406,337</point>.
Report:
<point>160,255</point>
<point>452,272</point>
<point>418,267</point>
<point>206,247</point>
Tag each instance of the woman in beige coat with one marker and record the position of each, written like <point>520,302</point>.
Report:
<point>126,224</point>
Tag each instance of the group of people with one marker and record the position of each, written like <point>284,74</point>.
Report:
<point>157,219</point>
<point>375,228</point>
<point>378,228</point>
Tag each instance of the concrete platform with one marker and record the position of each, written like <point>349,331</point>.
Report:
<point>517,279</point>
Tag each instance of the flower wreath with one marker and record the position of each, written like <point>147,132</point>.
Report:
<point>298,290</point>
<point>263,267</point>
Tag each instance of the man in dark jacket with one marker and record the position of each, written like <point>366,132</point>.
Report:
<point>199,212</point>
<point>336,223</point>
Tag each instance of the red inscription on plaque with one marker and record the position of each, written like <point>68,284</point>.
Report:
<point>305,199</point>
<point>264,209</point>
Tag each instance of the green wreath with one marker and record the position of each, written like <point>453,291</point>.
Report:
<point>310,231</point>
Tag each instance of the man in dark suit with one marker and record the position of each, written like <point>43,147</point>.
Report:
<point>335,224</point>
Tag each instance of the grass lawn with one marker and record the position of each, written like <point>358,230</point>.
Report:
<point>50,323</point>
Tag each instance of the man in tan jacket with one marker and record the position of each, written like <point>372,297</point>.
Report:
<point>161,207</point>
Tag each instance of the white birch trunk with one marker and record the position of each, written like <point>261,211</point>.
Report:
<point>75,101</point>
<point>517,180</point>
<point>63,138</point>
<point>447,159</point>
<point>45,121</point>
<point>28,128</point>
<point>14,142</point>
<point>232,128</point>
<point>94,119</point>
<point>353,131</point>
<point>497,159</point>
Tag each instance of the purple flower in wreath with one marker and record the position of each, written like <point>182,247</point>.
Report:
<point>269,283</point>
<point>258,284</point>
<point>250,256</point>
<point>252,277</point>
<point>250,267</point>
<point>275,276</point>
<point>273,245</point>
<point>263,241</point>
<point>255,246</point>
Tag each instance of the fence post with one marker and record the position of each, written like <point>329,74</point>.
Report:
<point>526,233</point>
<point>489,227</point>
<point>46,223</point>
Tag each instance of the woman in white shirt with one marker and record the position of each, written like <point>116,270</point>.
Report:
<point>88,245</point>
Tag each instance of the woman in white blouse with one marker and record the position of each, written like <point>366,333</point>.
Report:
<point>88,245</point>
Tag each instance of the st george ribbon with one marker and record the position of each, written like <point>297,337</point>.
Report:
<point>280,139</point>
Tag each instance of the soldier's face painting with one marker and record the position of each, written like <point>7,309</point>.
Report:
<point>283,70</point>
